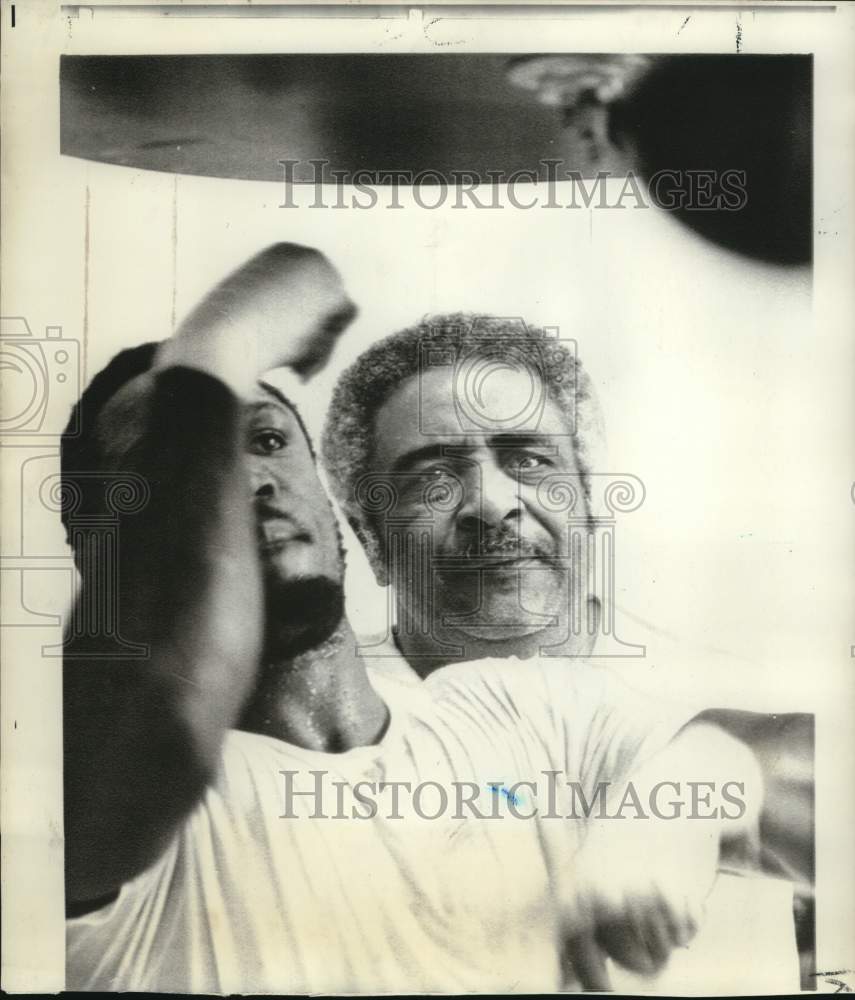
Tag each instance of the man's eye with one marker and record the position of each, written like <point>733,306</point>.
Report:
<point>268,442</point>
<point>426,479</point>
<point>436,474</point>
<point>531,463</point>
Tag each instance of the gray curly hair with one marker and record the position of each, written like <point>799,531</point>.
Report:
<point>348,437</point>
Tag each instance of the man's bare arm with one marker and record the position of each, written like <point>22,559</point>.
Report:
<point>143,737</point>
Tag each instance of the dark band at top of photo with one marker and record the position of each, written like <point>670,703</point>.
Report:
<point>478,117</point>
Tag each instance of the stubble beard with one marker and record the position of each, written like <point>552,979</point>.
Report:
<point>300,614</point>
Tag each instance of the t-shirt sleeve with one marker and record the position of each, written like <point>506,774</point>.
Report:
<point>572,717</point>
<point>604,728</point>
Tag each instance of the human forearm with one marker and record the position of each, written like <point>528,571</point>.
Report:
<point>190,577</point>
<point>718,775</point>
<point>142,737</point>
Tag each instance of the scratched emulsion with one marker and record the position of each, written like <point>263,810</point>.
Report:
<point>174,248</point>
<point>85,367</point>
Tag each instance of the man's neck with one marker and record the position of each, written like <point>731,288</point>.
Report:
<point>320,699</point>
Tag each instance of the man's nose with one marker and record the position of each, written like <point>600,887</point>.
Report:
<point>491,500</point>
<point>265,483</point>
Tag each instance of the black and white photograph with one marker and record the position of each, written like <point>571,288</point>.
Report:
<point>428,499</point>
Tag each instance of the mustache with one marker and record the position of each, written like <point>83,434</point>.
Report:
<point>501,543</point>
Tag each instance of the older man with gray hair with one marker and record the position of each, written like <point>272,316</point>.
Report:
<point>455,448</point>
<point>463,451</point>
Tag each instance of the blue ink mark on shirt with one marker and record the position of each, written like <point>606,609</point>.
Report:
<point>509,795</point>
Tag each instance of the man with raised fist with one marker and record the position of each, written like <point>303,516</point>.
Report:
<point>246,811</point>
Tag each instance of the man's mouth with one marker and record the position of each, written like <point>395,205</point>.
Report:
<point>501,558</point>
<point>274,533</point>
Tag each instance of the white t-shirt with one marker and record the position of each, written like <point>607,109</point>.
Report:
<point>258,893</point>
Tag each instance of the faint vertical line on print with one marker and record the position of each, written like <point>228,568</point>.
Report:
<point>174,249</point>
<point>84,375</point>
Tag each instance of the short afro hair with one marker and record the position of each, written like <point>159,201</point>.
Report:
<point>361,390</point>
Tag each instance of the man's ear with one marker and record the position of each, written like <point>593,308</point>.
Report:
<point>371,546</point>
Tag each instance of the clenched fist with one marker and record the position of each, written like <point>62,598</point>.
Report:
<point>285,306</point>
<point>638,885</point>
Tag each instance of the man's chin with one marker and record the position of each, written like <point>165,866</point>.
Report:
<point>532,604</point>
<point>500,633</point>
<point>300,614</point>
